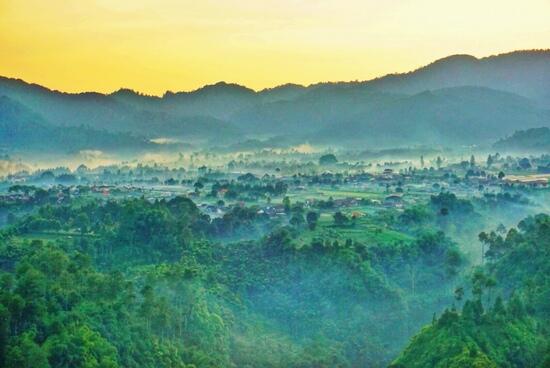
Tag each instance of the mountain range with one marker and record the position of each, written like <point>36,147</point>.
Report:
<point>457,100</point>
<point>530,140</point>
<point>23,130</point>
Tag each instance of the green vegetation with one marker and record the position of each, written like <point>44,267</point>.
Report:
<point>302,270</point>
<point>530,140</point>
<point>505,322</point>
<point>363,229</point>
<point>359,224</point>
<point>135,283</point>
<point>20,128</point>
<point>328,159</point>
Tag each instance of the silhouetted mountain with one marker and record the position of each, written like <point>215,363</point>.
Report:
<point>219,100</point>
<point>19,126</point>
<point>461,115</point>
<point>315,110</point>
<point>456,100</point>
<point>122,111</point>
<point>23,130</point>
<point>530,140</point>
<point>525,73</point>
<point>286,92</point>
<point>136,99</point>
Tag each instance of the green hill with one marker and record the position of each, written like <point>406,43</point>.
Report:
<point>23,130</point>
<point>529,140</point>
<point>505,323</point>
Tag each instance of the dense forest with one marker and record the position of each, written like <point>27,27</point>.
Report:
<point>137,283</point>
<point>504,321</point>
<point>400,221</point>
<point>530,140</point>
<point>142,284</point>
<point>22,130</point>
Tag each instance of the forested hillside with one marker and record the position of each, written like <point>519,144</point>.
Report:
<point>274,184</point>
<point>158,266</point>
<point>458,100</point>
<point>503,320</point>
<point>22,130</point>
<point>529,140</point>
<point>140,284</point>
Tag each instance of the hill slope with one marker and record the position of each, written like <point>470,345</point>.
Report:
<point>489,332</point>
<point>22,129</point>
<point>470,101</point>
<point>535,139</point>
<point>461,115</point>
<point>124,111</point>
<point>526,73</point>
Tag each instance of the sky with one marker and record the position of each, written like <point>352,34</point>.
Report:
<point>156,45</point>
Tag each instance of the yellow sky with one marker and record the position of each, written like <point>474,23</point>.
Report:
<point>157,45</point>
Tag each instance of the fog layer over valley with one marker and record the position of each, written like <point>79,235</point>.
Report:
<point>399,222</point>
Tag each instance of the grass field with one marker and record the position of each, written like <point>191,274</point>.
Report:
<point>363,231</point>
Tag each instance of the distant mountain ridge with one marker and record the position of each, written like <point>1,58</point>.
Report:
<point>450,71</point>
<point>530,140</point>
<point>458,115</point>
<point>458,99</point>
<point>526,73</point>
<point>23,130</point>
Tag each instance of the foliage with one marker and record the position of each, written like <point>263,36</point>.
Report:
<point>508,334</point>
<point>139,283</point>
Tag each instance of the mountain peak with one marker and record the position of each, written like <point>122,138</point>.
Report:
<point>526,74</point>
<point>286,86</point>
<point>224,86</point>
<point>125,92</point>
<point>218,87</point>
<point>453,59</point>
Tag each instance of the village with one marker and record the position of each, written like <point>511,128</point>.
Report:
<point>358,192</point>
